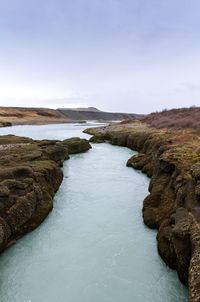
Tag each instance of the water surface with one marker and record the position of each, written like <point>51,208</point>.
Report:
<point>93,247</point>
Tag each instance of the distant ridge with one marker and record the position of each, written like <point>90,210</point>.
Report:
<point>92,113</point>
<point>91,109</point>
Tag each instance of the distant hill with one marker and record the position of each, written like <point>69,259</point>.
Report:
<point>92,113</point>
<point>93,109</point>
<point>22,115</point>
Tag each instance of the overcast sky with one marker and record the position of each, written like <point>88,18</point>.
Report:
<point>117,55</point>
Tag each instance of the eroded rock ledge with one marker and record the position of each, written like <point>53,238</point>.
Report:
<point>30,175</point>
<point>172,159</point>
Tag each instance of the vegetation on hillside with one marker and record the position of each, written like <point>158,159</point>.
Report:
<point>175,118</point>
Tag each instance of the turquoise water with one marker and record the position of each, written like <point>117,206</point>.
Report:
<point>93,247</point>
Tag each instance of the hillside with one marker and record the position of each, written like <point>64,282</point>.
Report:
<point>175,118</point>
<point>20,116</point>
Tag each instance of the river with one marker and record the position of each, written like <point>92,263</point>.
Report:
<point>93,247</point>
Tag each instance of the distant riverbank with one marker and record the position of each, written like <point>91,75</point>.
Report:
<point>38,116</point>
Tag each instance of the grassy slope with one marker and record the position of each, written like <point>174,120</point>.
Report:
<point>30,115</point>
<point>175,118</point>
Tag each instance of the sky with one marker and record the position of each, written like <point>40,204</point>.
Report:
<point>117,55</point>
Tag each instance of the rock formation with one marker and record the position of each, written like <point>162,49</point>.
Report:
<point>30,175</point>
<point>172,159</point>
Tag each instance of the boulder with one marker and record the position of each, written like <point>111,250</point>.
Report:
<point>76,145</point>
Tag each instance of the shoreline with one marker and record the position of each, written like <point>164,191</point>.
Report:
<point>81,123</point>
<point>171,159</point>
<point>40,123</point>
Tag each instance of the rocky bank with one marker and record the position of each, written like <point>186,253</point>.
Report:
<point>172,159</point>
<point>30,175</point>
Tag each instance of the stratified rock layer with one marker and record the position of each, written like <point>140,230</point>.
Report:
<point>172,160</point>
<point>30,175</point>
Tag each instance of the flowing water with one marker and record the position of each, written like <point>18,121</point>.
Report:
<point>93,247</point>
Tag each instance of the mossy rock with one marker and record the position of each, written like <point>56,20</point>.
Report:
<point>76,145</point>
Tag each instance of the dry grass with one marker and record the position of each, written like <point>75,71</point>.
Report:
<point>18,115</point>
<point>175,118</point>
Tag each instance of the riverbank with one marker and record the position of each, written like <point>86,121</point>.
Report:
<point>172,159</point>
<point>10,116</point>
<point>30,175</point>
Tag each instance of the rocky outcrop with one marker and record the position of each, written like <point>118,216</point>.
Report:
<point>76,145</point>
<point>172,160</point>
<point>30,175</point>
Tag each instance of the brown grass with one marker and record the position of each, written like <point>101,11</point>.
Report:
<point>18,115</point>
<point>175,118</point>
